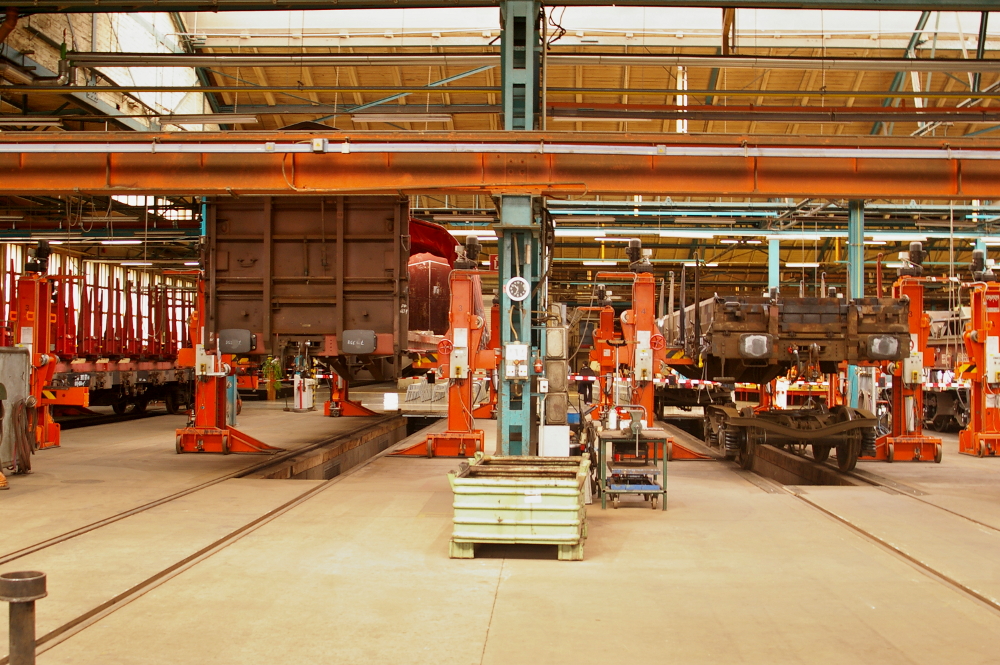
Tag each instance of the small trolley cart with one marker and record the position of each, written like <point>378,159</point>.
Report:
<point>627,465</point>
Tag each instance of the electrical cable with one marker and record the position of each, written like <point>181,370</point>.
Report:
<point>25,418</point>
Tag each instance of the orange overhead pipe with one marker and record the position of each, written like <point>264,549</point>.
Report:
<point>75,170</point>
<point>9,23</point>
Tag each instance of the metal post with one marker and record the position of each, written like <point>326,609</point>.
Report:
<point>773,264</point>
<point>520,62</point>
<point>855,278</point>
<point>21,590</point>
<point>520,257</point>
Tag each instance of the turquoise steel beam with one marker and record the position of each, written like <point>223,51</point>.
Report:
<point>520,63</point>
<point>855,278</point>
<point>519,257</point>
<point>774,263</point>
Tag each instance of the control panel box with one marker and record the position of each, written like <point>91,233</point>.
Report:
<point>913,368</point>
<point>515,361</point>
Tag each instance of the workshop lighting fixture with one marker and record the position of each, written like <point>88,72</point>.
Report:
<point>111,218</point>
<point>601,263</point>
<point>136,263</point>
<point>580,233</point>
<point>687,235</point>
<point>898,237</point>
<point>121,242</point>
<point>401,117</point>
<point>805,264</point>
<point>584,219</point>
<point>29,121</point>
<point>209,119</point>
<point>464,218</point>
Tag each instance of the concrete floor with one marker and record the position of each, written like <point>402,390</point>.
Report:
<point>359,573</point>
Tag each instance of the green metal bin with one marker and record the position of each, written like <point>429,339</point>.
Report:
<point>517,499</point>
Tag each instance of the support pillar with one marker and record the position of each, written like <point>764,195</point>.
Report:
<point>855,279</point>
<point>773,264</point>
<point>520,257</point>
<point>520,63</point>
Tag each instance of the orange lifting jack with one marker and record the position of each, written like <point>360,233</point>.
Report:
<point>982,341</point>
<point>907,441</point>
<point>214,396</point>
<point>33,319</point>
<point>461,353</point>
<point>642,348</point>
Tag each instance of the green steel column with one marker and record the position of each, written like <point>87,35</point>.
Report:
<point>773,263</point>
<point>520,62</point>
<point>855,278</point>
<point>981,243</point>
<point>520,257</point>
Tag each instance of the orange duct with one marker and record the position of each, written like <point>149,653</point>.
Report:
<point>9,24</point>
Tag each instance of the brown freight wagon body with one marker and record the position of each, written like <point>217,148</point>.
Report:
<point>304,268</point>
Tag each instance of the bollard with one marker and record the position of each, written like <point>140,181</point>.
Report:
<point>21,590</point>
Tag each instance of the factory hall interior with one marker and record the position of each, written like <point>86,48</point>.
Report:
<point>496,332</point>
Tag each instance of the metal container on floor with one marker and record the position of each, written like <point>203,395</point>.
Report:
<point>520,500</point>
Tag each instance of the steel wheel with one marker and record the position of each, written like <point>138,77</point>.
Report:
<point>890,453</point>
<point>850,446</point>
<point>820,453</point>
<point>938,453</point>
<point>749,449</point>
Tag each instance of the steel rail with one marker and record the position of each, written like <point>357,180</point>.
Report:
<point>27,7</point>
<point>253,468</point>
<point>884,544</point>
<point>92,616</point>
<point>132,60</point>
<point>657,92</point>
<point>899,552</point>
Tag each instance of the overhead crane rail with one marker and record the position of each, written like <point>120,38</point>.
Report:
<point>27,7</point>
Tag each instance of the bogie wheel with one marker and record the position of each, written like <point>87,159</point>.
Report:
<point>120,406</point>
<point>749,449</point>
<point>820,453</point>
<point>890,453</point>
<point>172,401</point>
<point>139,405</point>
<point>938,453</point>
<point>847,454</point>
<point>850,446</point>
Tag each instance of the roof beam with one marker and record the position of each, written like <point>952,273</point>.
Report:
<point>899,78</point>
<point>27,7</point>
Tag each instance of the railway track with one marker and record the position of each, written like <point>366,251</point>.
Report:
<point>69,628</point>
<point>865,477</point>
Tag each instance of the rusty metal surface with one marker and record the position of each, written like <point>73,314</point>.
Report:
<point>294,269</point>
<point>820,332</point>
<point>429,293</point>
<point>74,169</point>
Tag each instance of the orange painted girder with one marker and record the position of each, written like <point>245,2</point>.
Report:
<point>267,173</point>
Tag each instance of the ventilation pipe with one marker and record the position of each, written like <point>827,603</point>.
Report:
<point>9,24</point>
